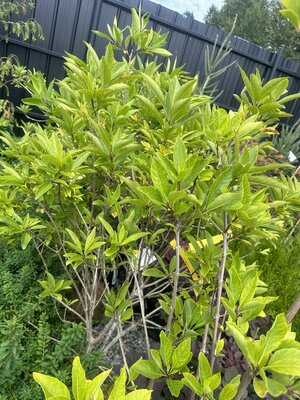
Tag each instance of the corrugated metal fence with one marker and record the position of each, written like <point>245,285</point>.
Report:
<point>67,23</point>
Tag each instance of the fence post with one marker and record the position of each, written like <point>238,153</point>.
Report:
<point>278,57</point>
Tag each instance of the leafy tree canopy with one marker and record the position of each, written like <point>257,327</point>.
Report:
<point>258,21</point>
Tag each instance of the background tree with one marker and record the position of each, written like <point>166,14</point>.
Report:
<point>188,13</point>
<point>258,21</point>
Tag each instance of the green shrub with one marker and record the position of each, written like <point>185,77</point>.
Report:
<point>280,270</point>
<point>32,337</point>
<point>131,162</point>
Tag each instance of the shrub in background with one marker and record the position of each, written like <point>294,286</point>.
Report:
<point>32,337</point>
<point>280,270</point>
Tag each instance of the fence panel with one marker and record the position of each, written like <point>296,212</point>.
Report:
<point>67,23</point>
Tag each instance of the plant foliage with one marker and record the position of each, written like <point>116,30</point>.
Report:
<point>139,187</point>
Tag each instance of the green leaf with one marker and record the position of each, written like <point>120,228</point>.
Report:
<point>292,16</point>
<point>127,314</point>
<point>151,108</point>
<point>221,182</point>
<point>267,181</point>
<point>133,238</point>
<point>191,382</point>
<point>161,52</point>
<point>25,239</point>
<point>147,368</point>
<point>166,349</point>
<point>53,388</point>
<point>159,176</point>
<point>152,194</point>
<point>226,201</point>
<point>168,166</point>
<point>275,335</point>
<point>241,341</point>
<point>79,382</point>
<point>154,272</point>
<point>204,368</point>
<point>275,388</point>
<point>260,388</point>
<point>135,22</point>
<point>220,346</point>
<point>139,394</point>
<point>187,312</point>
<point>180,154</point>
<point>230,390</point>
<point>181,355</point>
<point>107,226</point>
<point>212,383</point>
<point>42,189</point>
<point>75,239</point>
<point>285,361</point>
<point>118,390</point>
<point>80,160</point>
<point>174,386</point>
<point>121,294</point>
<point>89,240</point>
<point>154,86</point>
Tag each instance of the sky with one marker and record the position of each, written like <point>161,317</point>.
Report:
<point>197,7</point>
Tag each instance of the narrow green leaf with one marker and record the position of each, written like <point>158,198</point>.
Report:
<point>204,368</point>
<point>25,239</point>
<point>42,189</point>
<point>226,201</point>
<point>180,154</point>
<point>166,349</point>
<point>159,176</point>
<point>79,382</point>
<point>118,390</point>
<point>191,382</point>
<point>107,227</point>
<point>222,181</point>
<point>241,341</point>
<point>89,240</point>
<point>154,272</point>
<point>154,86</point>
<point>133,238</point>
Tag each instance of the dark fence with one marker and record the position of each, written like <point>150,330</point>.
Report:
<point>67,23</point>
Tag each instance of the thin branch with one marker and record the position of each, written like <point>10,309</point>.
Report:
<point>219,291</point>
<point>245,382</point>
<point>70,309</point>
<point>40,254</point>
<point>142,306</point>
<point>104,332</point>
<point>116,338</point>
<point>176,278</point>
<point>82,218</point>
<point>292,231</point>
<point>293,310</point>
